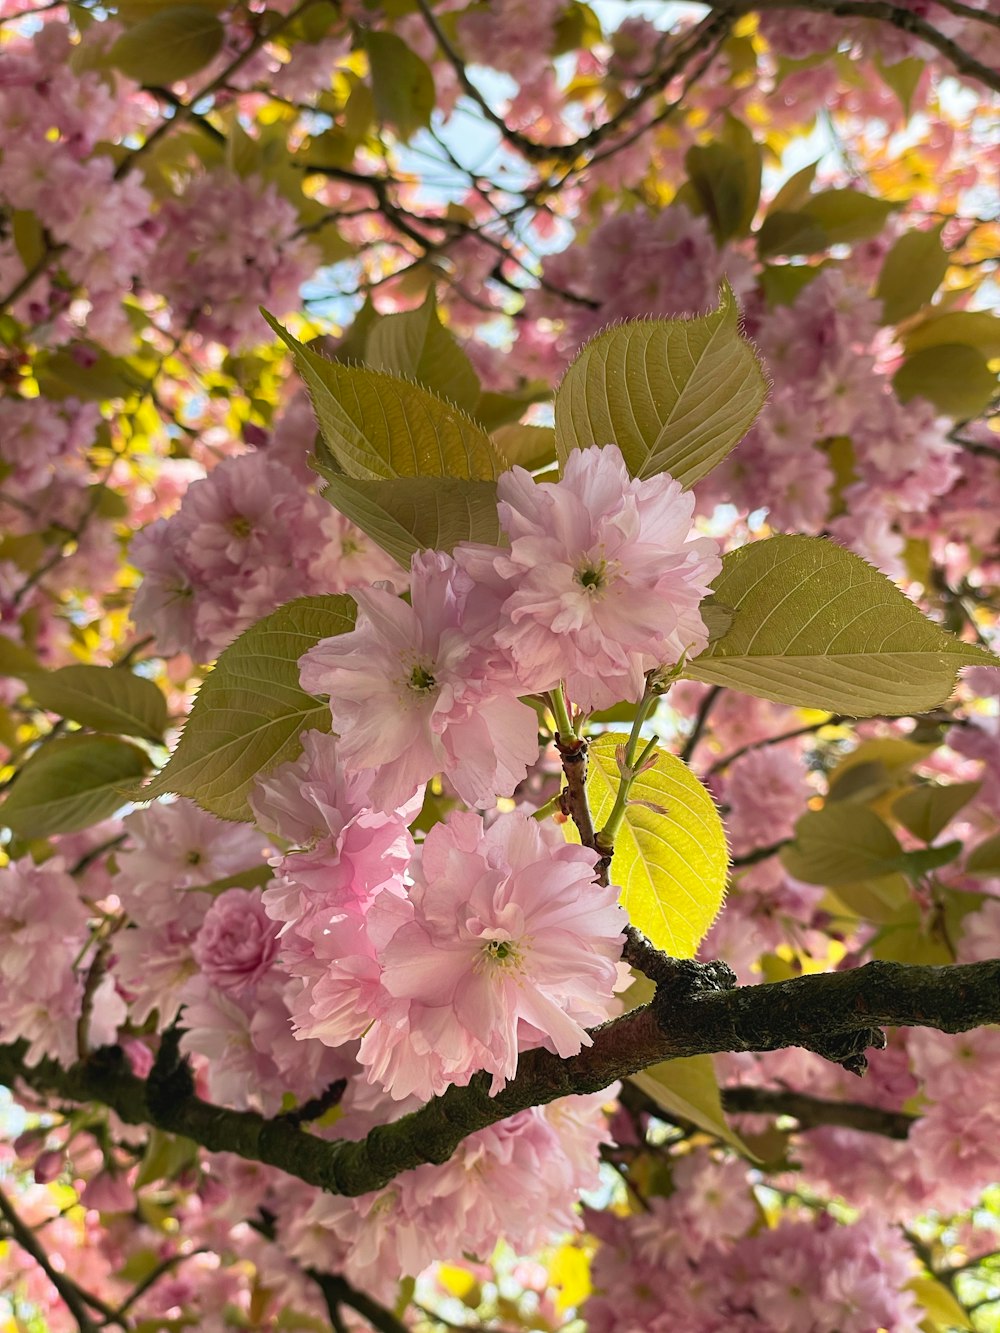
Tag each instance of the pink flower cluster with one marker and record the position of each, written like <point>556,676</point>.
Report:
<point>635,265</point>
<point>728,1275</point>
<point>246,539</point>
<point>601,583</point>
<point>502,942</point>
<point>519,1178</point>
<point>44,928</point>
<point>230,245</point>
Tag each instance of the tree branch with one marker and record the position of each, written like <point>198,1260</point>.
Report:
<point>71,1295</point>
<point>814,1112</point>
<point>881,11</point>
<point>697,1010</point>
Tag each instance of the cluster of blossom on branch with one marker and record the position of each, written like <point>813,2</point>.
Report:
<point>587,589</point>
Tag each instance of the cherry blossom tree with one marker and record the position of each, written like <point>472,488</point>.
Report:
<point>500,716</point>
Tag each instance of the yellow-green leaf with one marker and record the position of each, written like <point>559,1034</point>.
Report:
<point>848,843</point>
<point>71,783</point>
<point>501,409</point>
<point>687,1088</point>
<point>415,344</point>
<point>402,84</point>
<point>941,1306</point>
<point>831,217</point>
<point>410,514</point>
<point>378,426</point>
<point>169,45</point>
<point>816,626</point>
<point>795,191</point>
<point>675,395</point>
<point>103,698</point>
<point>670,856</point>
<point>250,712</point>
<point>911,273</point>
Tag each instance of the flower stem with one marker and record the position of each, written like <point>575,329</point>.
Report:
<point>564,727</point>
<point>630,769</point>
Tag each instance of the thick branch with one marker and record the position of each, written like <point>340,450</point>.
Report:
<point>696,1011</point>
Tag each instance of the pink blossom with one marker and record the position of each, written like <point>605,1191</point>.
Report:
<point>766,791</point>
<point>511,945</point>
<point>417,690</point>
<point>237,942</point>
<point>604,578</point>
<point>108,1193</point>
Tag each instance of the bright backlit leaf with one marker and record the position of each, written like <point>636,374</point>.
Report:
<point>670,857</point>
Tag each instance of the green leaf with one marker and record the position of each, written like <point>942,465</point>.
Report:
<point>878,900</point>
<point>402,84</point>
<point>530,447</point>
<point>841,844</point>
<point>832,217</point>
<point>911,273</point>
<point>848,843</point>
<point>927,809</point>
<point>675,395</point>
<point>379,426</point>
<point>687,1088</point>
<point>954,377</point>
<point>790,234</point>
<point>28,236</point>
<point>254,877</point>
<point>816,626</point>
<point>15,660</point>
<point>415,344</point>
<point>902,77</point>
<point>969,328</point>
<point>726,176</point>
<point>502,409</point>
<point>795,191</point>
<point>671,860</point>
<point>103,698</point>
<point>848,215</point>
<point>169,45</point>
<point>250,712</point>
<point>984,859</point>
<point>82,370</point>
<point>782,283</point>
<point>166,1156</point>
<point>411,514</point>
<point>71,783</point>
